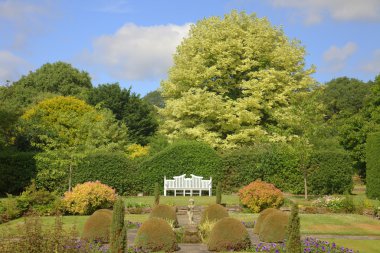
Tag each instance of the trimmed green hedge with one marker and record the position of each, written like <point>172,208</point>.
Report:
<point>112,169</point>
<point>331,173</point>
<point>183,157</point>
<point>16,171</point>
<point>274,163</point>
<point>373,165</point>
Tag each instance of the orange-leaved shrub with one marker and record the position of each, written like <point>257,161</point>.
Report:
<point>260,195</point>
<point>88,197</point>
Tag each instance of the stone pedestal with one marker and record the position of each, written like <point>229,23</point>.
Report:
<point>191,234</point>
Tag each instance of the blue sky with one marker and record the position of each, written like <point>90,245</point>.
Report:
<point>132,42</point>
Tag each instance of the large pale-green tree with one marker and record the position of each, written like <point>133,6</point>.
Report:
<point>232,80</point>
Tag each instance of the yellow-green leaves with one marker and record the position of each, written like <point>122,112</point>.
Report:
<point>231,80</point>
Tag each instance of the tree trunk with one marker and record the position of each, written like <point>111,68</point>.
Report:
<point>305,185</point>
<point>70,173</point>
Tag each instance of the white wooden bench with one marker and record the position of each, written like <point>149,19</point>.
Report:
<point>187,186</point>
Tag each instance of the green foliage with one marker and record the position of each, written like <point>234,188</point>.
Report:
<point>118,238</point>
<point>156,194</point>
<point>184,157</point>
<point>293,236</point>
<point>278,164</point>
<point>87,197</point>
<point>98,225</point>
<point>219,193</point>
<point>165,212</point>
<point>34,239</point>
<point>59,78</point>
<point>137,114</point>
<point>373,166</point>
<point>260,195</point>
<point>246,67</point>
<point>332,173</point>
<point>155,234</point>
<point>274,227</point>
<point>261,218</point>
<point>155,98</point>
<point>111,168</point>
<point>16,170</point>
<point>213,213</point>
<point>228,234</point>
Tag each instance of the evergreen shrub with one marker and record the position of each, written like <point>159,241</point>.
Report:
<point>373,166</point>
<point>182,157</point>
<point>331,173</point>
<point>155,234</point>
<point>98,225</point>
<point>274,227</point>
<point>260,195</point>
<point>110,168</point>
<point>88,197</point>
<point>165,212</point>
<point>214,212</point>
<point>16,170</point>
<point>261,218</point>
<point>228,234</point>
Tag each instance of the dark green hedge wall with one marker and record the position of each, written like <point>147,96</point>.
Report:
<point>331,173</point>
<point>183,157</point>
<point>113,169</point>
<point>16,171</point>
<point>373,165</point>
<point>277,164</point>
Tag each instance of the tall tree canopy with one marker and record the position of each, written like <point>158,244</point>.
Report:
<point>232,80</point>
<point>137,114</point>
<point>59,77</point>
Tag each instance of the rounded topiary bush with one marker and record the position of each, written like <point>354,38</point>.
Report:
<point>97,226</point>
<point>228,234</point>
<point>214,213</point>
<point>273,228</point>
<point>262,217</point>
<point>155,234</point>
<point>165,212</point>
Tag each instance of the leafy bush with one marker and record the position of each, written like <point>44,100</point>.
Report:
<point>136,151</point>
<point>182,157</point>
<point>97,227</point>
<point>88,197</point>
<point>274,226</point>
<point>260,195</point>
<point>113,169</point>
<point>228,234</point>
<point>214,213</point>
<point>165,212</point>
<point>261,218</point>
<point>10,209</point>
<point>276,164</point>
<point>204,230</point>
<point>16,170</point>
<point>373,165</point>
<point>332,173</point>
<point>155,234</point>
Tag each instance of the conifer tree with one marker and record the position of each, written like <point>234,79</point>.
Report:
<point>118,236</point>
<point>293,242</point>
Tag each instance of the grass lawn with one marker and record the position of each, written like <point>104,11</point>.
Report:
<point>335,224</point>
<point>364,246</point>
<point>183,200</point>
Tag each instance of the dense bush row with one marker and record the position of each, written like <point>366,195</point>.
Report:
<point>330,171</point>
<point>373,165</point>
<point>16,170</point>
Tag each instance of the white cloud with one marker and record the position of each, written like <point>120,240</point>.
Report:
<point>23,19</point>
<point>373,66</point>
<point>137,52</point>
<point>343,10</point>
<point>11,66</point>
<point>336,57</point>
